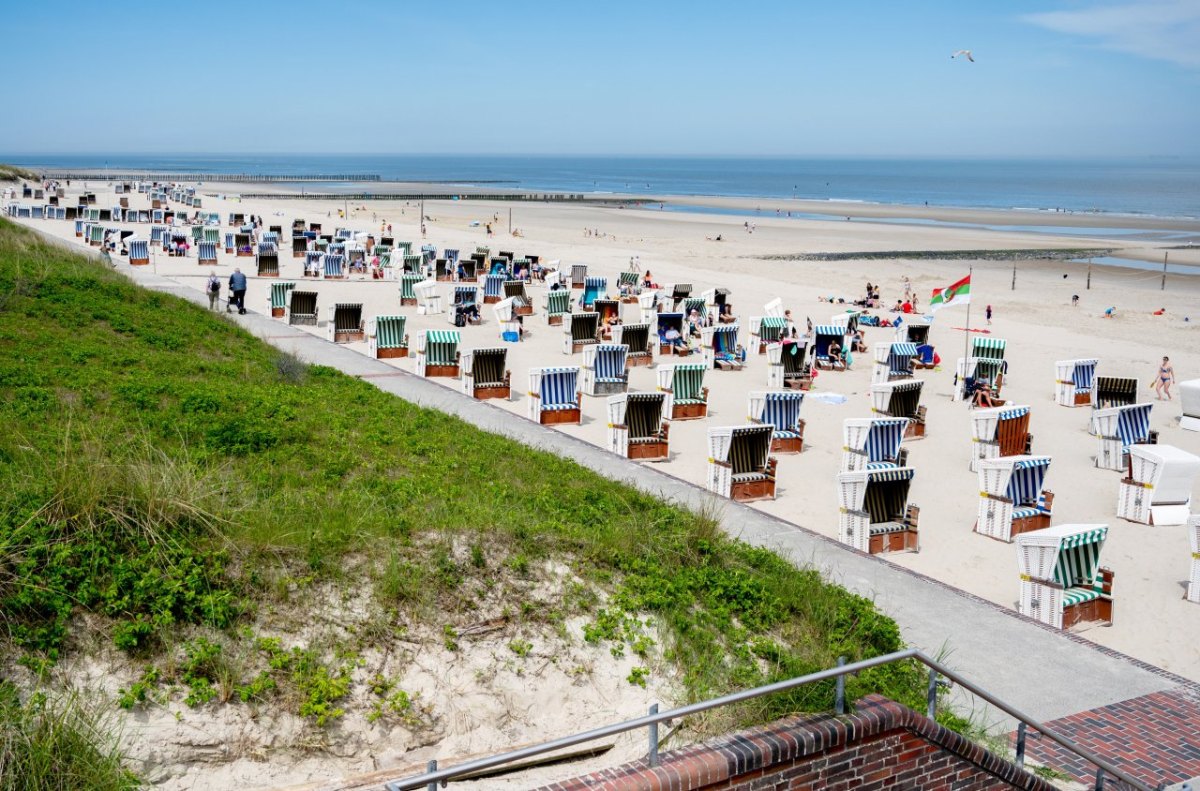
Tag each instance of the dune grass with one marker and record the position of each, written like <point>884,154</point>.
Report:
<point>163,469</point>
<point>13,173</point>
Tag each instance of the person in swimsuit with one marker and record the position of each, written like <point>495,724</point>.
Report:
<point>1166,376</point>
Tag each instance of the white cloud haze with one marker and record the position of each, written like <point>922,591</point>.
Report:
<point>1160,29</point>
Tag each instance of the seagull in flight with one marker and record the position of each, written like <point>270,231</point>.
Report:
<point>966,52</point>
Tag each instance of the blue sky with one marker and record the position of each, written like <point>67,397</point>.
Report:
<point>1065,77</point>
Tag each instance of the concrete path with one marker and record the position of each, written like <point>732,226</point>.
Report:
<point>1047,674</point>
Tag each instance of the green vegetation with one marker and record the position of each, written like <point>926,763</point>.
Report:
<point>12,173</point>
<point>169,474</point>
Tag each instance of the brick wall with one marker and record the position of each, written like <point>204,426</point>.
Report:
<point>883,745</point>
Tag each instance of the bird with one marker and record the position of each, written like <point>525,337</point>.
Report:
<point>966,52</point>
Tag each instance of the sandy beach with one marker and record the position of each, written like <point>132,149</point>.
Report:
<point>1152,620</point>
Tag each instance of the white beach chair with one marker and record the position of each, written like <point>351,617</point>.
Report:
<point>1158,487</point>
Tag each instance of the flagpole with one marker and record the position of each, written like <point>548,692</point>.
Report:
<point>967,334</point>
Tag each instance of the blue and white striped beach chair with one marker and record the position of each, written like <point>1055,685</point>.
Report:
<point>1012,497</point>
<point>554,395</point>
<point>333,266</point>
<point>207,253</point>
<point>139,252</point>
<point>875,513</point>
<point>873,443</point>
<point>824,337</point>
<point>780,409</point>
<point>493,288</point>
<point>893,361</point>
<point>604,371</point>
<point>1073,381</point>
<point>1118,428</point>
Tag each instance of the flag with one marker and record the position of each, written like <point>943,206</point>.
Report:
<point>957,294</point>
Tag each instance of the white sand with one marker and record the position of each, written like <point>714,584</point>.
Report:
<point>1152,621</point>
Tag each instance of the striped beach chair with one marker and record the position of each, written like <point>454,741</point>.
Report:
<point>972,372</point>
<point>96,235</point>
<point>554,395</point>
<point>604,372</point>
<point>408,296</point>
<point>721,349</point>
<point>678,293</point>
<point>1073,381</point>
<point>665,322</point>
<point>875,514</point>
<point>212,234</point>
<point>578,275</point>
<point>333,266</point>
<point>873,444</point>
<point>278,299</point>
<point>1157,490</point>
<point>629,286</point>
<point>244,242</point>
<point>689,305</point>
<point>302,308</point>
<point>787,366</point>
<point>740,465</point>
<point>139,252</point>
<point>637,338</point>
<point>485,375</point>
<point>207,253</point>
<point>1062,583</point>
<point>156,234</point>
<point>901,399</point>
<point>1118,429</point>
<point>781,411</point>
<point>1012,499</point>
<point>313,263</point>
<point>443,270</point>
<point>1112,391</point>
<point>267,260</point>
<point>1001,431</point>
<point>610,315</point>
<point>824,337</point>
<point>437,353</point>
<point>765,330</point>
<point>580,331</point>
<point>556,305</point>
<point>515,290</point>
<point>411,263</point>
<point>78,224</point>
<point>299,246</point>
<point>346,325</point>
<point>593,288</point>
<point>386,337</point>
<point>686,395</point>
<point>451,257</point>
<point>636,428</point>
<point>197,234</point>
<point>893,361</point>
<point>493,288</point>
<point>467,271</point>
<point>466,304</point>
<point>230,243</point>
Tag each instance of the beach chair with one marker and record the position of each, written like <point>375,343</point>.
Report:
<point>554,395</point>
<point>79,224</point>
<point>901,399</point>
<point>556,305</point>
<point>408,282</point>
<point>636,428</point>
<point>139,252</point>
<point>594,288</point>
<point>998,432</point>
<point>515,290</point>
<point>1157,488</point>
<point>230,244</point>
<point>875,514</point>
<point>721,349</point>
<point>212,234</point>
<point>781,411</point>
<point>787,366</point>
<point>267,260</point>
<point>500,266</point>
<point>678,292</point>
<point>96,235</point>
<point>1062,583</point>
<point>1193,531</point>
<point>689,305</point>
<point>873,443</point>
<point>467,271</point>
<point>278,297</point>
<point>493,288</point>
<point>717,305</point>
<point>243,244</point>
<point>429,301</point>
<point>637,338</point>
<point>1113,391</point>
<point>971,372</point>
<point>346,326</point>
<point>578,275</point>
<point>411,264</point>
<point>443,271</point>
<point>197,234</point>
<point>302,308</point>
<point>824,337</point>
<point>610,315</point>
<point>333,265</point>
<point>387,338</point>
<point>649,302</point>
<point>1118,429</point>
<point>914,332</point>
<point>451,256</point>
<point>465,309</point>
<point>765,330</point>
<point>1012,497</point>
<point>207,254</point>
<point>629,286</point>
<point>740,465</point>
<point>299,246</point>
<point>893,361</point>
<point>580,330</point>
<point>604,372</point>
<point>313,265</point>
<point>1189,402</point>
<point>672,321</point>
<point>484,374</point>
<point>686,395</point>
<point>437,353</point>
<point>506,317</point>
<point>1073,381</point>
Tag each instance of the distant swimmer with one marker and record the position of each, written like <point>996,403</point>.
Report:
<point>966,52</point>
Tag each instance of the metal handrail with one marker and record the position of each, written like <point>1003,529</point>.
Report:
<point>1105,769</point>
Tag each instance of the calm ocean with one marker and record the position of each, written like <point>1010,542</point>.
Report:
<point>1165,187</point>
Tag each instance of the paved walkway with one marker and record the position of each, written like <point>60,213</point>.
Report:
<point>1142,717</point>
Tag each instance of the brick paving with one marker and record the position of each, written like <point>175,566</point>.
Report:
<point>1155,738</point>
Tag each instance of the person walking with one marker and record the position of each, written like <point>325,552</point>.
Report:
<point>237,290</point>
<point>1166,377</point>
<point>988,312</point>
<point>213,290</point>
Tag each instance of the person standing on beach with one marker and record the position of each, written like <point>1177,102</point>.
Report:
<point>988,312</point>
<point>214,290</point>
<point>237,291</point>
<point>1166,377</point>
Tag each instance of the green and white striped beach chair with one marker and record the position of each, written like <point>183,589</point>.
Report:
<point>557,304</point>
<point>686,395</point>
<point>1062,583</point>
<point>875,514</point>
<point>386,337</point>
<point>437,353</point>
<point>407,281</point>
<point>278,299</point>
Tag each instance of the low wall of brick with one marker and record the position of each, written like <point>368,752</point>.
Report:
<point>883,745</point>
